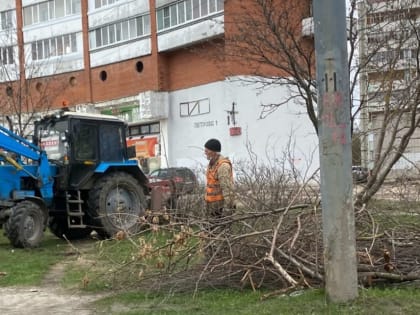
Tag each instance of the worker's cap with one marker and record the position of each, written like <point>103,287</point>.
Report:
<point>213,145</point>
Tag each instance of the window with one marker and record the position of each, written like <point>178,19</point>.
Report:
<point>155,128</point>
<point>103,3</point>
<point>133,28</point>
<point>143,130</point>
<point>85,144</point>
<point>43,12</point>
<point>166,18</point>
<point>204,8</point>
<point>39,50</point>
<point>35,16</point>
<point>146,24</point>
<point>181,12</point>
<point>139,30</point>
<point>54,47</point>
<point>6,19</point>
<point>98,37</point>
<point>59,8</point>
<point>48,10</point>
<point>6,55</point>
<point>120,31</point>
<point>51,8</point>
<point>187,10</point>
<point>47,50</point>
<point>105,36</point>
<point>134,130</point>
<point>212,6</point>
<point>73,42</point>
<point>196,8</point>
<point>51,139</point>
<point>174,16</point>
<point>194,108</point>
<point>124,27</point>
<point>27,16</point>
<point>111,34</point>
<point>60,50</point>
<point>111,143</point>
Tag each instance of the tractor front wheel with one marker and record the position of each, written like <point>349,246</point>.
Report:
<point>26,225</point>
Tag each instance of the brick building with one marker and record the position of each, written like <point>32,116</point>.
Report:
<point>154,63</point>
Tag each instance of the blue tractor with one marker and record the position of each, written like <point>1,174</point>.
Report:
<point>74,177</point>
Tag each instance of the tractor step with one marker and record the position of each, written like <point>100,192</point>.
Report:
<point>75,214</point>
<point>75,201</point>
<point>74,211</point>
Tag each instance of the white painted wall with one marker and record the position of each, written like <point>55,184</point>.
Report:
<point>137,48</point>
<point>65,25</point>
<point>268,137</point>
<point>7,5</point>
<point>30,2</point>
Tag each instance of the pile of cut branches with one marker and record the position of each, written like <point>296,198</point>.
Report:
<point>282,249</point>
<point>273,239</point>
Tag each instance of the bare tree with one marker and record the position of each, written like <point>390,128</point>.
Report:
<point>26,92</point>
<point>267,37</point>
<point>390,93</point>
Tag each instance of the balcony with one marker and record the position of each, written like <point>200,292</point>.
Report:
<point>153,105</point>
<point>191,33</point>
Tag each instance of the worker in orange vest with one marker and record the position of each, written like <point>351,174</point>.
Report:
<point>219,180</point>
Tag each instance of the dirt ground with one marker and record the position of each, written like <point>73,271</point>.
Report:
<point>48,298</point>
<point>43,300</point>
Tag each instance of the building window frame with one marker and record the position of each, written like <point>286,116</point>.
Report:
<point>104,3</point>
<point>194,108</point>
<point>119,32</point>
<point>7,19</point>
<point>54,47</point>
<point>144,129</point>
<point>49,10</point>
<point>6,55</point>
<point>183,12</point>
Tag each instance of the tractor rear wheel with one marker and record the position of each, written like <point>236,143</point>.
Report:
<point>26,224</point>
<point>116,203</point>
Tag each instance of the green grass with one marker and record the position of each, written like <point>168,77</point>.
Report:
<point>28,266</point>
<point>109,265</point>
<point>230,302</point>
<point>113,264</point>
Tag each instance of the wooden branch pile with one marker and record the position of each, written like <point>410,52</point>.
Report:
<point>282,249</point>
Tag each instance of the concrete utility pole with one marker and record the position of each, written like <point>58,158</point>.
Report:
<point>335,149</point>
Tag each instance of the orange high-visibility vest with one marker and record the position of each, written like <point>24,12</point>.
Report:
<point>213,189</point>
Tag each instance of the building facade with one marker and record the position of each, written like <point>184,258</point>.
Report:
<point>155,64</point>
<point>389,50</point>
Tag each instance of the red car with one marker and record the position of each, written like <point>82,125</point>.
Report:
<point>172,183</point>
